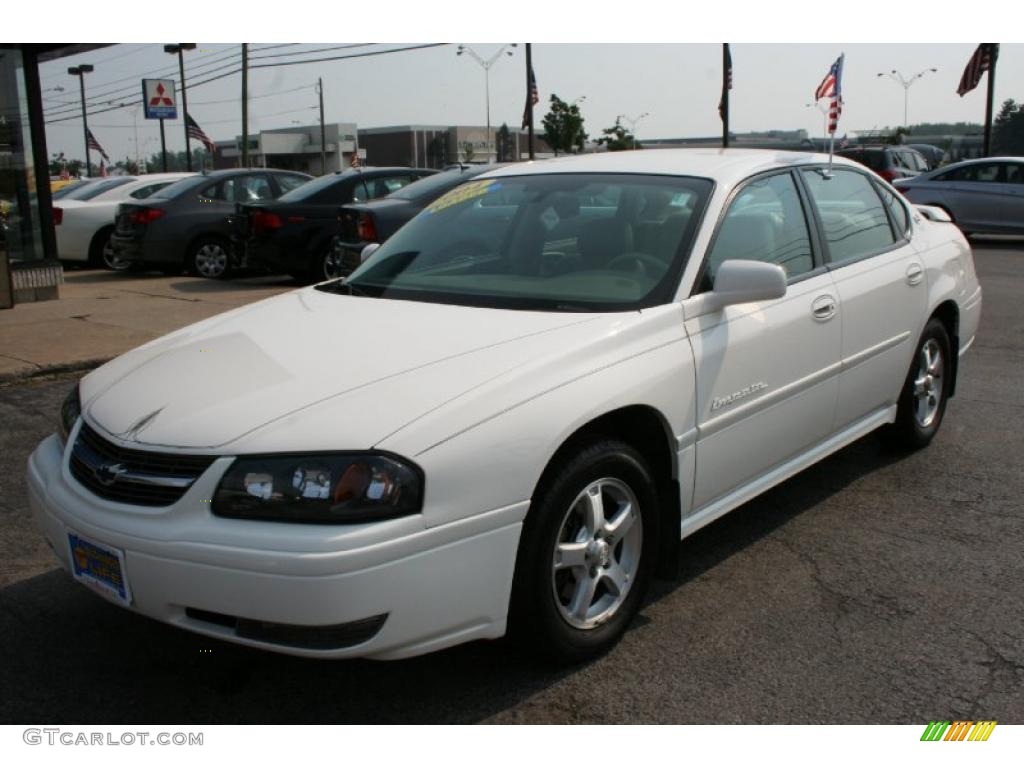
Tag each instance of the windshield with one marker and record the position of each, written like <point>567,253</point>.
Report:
<point>310,188</point>
<point>94,188</point>
<point>563,242</point>
<point>438,184</point>
<point>175,189</point>
<point>63,192</point>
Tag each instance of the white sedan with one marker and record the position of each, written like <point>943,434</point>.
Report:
<point>510,415</point>
<point>85,220</point>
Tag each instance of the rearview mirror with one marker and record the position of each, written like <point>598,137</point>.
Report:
<point>367,251</point>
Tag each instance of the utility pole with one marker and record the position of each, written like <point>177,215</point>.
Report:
<point>180,48</point>
<point>323,144</point>
<point>80,71</point>
<point>245,105</point>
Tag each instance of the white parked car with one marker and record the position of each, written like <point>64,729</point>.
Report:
<point>85,221</point>
<point>509,416</point>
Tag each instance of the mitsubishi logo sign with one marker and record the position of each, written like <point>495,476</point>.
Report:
<point>159,100</point>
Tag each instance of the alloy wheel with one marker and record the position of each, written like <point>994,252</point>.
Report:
<point>211,260</point>
<point>928,383</point>
<point>597,553</point>
<point>332,265</point>
<point>111,260</point>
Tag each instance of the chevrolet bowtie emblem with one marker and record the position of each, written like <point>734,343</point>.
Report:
<point>107,474</point>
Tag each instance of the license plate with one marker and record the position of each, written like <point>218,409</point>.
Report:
<point>99,567</point>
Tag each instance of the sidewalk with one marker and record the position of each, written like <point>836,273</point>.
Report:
<point>101,314</point>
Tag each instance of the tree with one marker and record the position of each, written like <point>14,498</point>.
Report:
<point>563,127</point>
<point>58,163</point>
<point>1008,129</point>
<point>617,138</point>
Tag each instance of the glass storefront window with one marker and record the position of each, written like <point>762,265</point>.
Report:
<point>20,230</point>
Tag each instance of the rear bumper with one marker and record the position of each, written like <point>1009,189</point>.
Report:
<point>145,251</point>
<point>411,594</point>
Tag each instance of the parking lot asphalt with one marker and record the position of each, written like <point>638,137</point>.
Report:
<point>874,587</point>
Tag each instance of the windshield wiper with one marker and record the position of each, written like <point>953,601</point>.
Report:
<point>343,287</point>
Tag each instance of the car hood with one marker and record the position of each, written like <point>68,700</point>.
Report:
<point>215,384</point>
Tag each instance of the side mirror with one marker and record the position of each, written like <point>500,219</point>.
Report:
<point>368,251</point>
<point>739,281</point>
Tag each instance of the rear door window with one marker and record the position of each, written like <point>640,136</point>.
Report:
<point>851,212</point>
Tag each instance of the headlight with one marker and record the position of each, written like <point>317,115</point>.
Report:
<point>70,410</point>
<point>333,488</point>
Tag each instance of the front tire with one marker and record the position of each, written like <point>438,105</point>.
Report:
<point>922,402</point>
<point>587,552</point>
<point>210,257</point>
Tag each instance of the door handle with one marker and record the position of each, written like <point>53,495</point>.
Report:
<point>914,273</point>
<point>823,308</point>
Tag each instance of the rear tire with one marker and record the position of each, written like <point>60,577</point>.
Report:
<point>922,402</point>
<point>101,252</point>
<point>587,552</point>
<point>210,257</point>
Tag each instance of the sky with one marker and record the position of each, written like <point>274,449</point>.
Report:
<point>677,85</point>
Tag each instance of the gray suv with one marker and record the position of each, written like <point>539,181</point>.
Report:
<point>185,225</point>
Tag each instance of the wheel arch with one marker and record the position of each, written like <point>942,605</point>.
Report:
<point>645,429</point>
<point>948,313</point>
<point>94,256</point>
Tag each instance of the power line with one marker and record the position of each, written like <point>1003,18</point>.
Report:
<point>315,50</point>
<point>102,99</point>
<point>350,56</point>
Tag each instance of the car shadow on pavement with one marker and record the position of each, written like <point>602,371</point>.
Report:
<point>72,657</point>
<point>243,282</point>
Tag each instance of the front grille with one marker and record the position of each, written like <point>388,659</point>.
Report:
<point>131,476</point>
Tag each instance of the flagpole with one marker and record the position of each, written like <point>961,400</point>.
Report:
<point>994,53</point>
<point>725,96</point>
<point>529,98</point>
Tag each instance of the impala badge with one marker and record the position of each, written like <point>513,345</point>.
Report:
<point>722,402</point>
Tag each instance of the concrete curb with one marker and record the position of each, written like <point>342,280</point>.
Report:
<point>44,371</point>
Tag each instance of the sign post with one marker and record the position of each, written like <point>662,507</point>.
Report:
<point>158,103</point>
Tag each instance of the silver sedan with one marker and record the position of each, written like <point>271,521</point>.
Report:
<point>983,196</point>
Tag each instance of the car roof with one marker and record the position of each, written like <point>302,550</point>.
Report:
<point>222,172</point>
<point>728,166</point>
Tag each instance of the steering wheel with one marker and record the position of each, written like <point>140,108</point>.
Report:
<point>637,262</point>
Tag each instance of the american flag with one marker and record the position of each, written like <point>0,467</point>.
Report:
<point>195,132</point>
<point>832,87</point>
<point>980,63</point>
<point>532,97</point>
<point>726,81</point>
<point>93,144</point>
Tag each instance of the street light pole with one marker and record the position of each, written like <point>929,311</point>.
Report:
<point>905,83</point>
<point>80,71</point>
<point>632,123</point>
<point>824,120</point>
<point>487,64</point>
<point>180,48</point>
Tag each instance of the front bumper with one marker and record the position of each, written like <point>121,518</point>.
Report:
<point>432,588</point>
